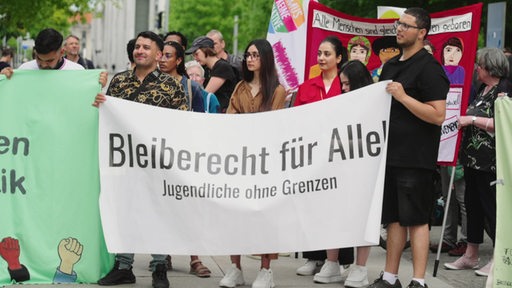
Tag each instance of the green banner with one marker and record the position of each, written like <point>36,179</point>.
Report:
<point>50,228</point>
<point>503,248</point>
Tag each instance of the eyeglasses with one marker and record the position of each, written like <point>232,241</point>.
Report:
<point>167,56</point>
<point>405,26</point>
<point>253,56</point>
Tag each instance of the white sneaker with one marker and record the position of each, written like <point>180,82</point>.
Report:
<point>310,268</point>
<point>357,277</point>
<point>329,273</point>
<point>234,277</point>
<point>265,279</point>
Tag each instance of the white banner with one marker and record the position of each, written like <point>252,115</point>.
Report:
<point>297,179</point>
<point>449,131</point>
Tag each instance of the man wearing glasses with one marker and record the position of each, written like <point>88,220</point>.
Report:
<point>419,87</point>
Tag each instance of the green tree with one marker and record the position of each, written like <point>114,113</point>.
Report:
<point>196,18</point>
<point>17,17</point>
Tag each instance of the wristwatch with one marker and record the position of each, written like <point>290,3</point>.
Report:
<point>473,119</point>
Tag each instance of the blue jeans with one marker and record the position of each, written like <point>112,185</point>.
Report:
<point>126,260</point>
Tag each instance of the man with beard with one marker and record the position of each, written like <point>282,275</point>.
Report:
<point>418,109</point>
<point>49,54</point>
<point>148,85</point>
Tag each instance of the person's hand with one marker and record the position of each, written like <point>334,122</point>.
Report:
<point>396,90</point>
<point>7,71</point>
<point>100,98</point>
<point>464,121</point>
<point>10,251</point>
<point>70,251</point>
<point>103,78</point>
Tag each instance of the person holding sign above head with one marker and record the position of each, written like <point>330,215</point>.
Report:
<point>144,84</point>
<point>258,91</point>
<point>419,87</point>
<point>331,55</point>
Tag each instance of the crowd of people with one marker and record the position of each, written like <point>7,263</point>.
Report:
<point>217,82</point>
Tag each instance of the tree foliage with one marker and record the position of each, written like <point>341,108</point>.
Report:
<point>17,17</point>
<point>196,18</point>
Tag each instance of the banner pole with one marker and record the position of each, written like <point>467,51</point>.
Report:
<point>446,206</point>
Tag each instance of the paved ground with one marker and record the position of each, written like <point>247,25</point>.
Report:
<point>284,271</point>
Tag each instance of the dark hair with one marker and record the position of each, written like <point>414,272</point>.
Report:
<point>129,49</point>
<point>338,48</point>
<point>357,74</point>
<point>180,53</point>
<point>422,17</point>
<point>153,36</point>
<point>183,41</point>
<point>453,41</point>
<point>48,40</point>
<point>268,73</point>
<point>7,51</point>
<point>208,52</point>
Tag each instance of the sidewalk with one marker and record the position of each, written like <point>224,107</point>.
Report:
<point>284,271</point>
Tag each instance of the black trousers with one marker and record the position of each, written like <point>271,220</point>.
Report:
<point>480,200</point>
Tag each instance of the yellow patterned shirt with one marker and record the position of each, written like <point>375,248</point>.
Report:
<point>157,89</point>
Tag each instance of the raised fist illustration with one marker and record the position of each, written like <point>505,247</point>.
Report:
<point>70,251</point>
<point>10,251</point>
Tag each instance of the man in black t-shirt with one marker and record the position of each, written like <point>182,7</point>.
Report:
<point>418,107</point>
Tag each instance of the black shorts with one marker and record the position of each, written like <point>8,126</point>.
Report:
<point>408,196</point>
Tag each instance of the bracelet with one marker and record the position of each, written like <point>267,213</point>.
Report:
<point>487,123</point>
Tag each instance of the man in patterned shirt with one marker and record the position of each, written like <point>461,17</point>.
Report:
<point>144,84</point>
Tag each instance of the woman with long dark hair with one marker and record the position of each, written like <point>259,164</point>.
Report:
<point>172,62</point>
<point>258,91</point>
<point>355,75</point>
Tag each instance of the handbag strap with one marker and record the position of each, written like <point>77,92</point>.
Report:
<point>207,110</point>
<point>189,87</point>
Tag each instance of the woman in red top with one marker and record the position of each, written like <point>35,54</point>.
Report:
<point>327,84</point>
